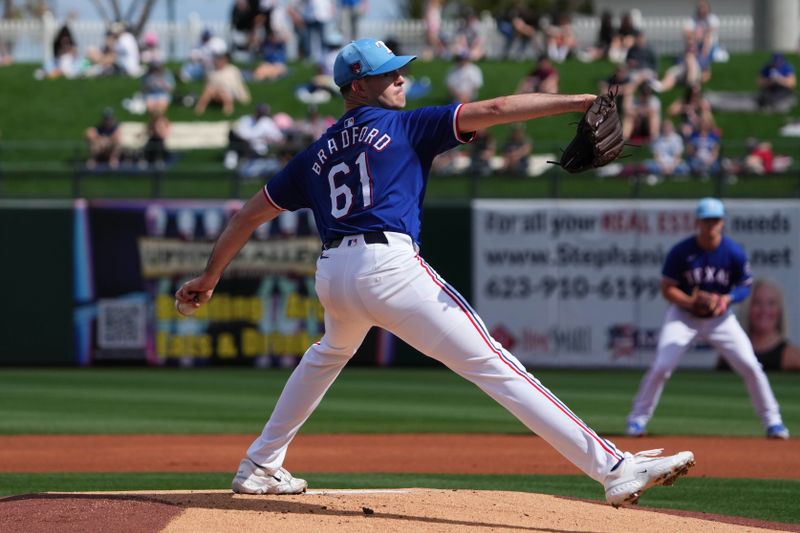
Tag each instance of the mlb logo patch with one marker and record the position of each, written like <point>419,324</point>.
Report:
<point>352,242</point>
<point>349,122</point>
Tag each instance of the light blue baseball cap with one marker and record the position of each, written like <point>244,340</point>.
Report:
<point>365,57</point>
<point>710,208</point>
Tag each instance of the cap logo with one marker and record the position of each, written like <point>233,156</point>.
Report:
<point>381,44</point>
<point>355,68</point>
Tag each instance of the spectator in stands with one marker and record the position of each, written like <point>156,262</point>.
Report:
<point>225,86</point>
<point>252,136</point>
<point>155,149</point>
<point>561,40</point>
<point>543,78</point>
<point>481,151</point>
<point>350,13</point>
<point>516,150</point>
<point>607,39</point>
<point>667,154</point>
<point>627,36</point>
<point>102,61</point>
<point>244,38</point>
<point>321,87</point>
<point>692,109</point>
<point>766,324</point>
<point>157,87</point>
<point>6,58</point>
<point>703,151</point>
<point>151,53</point>
<point>691,68</point>
<point>104,141</point>
<point>313,126</point>
<point>273,47</point>
<point>126,51</point>
<point>65,56</point>
<point>641,115</point>
<point>777,82</point>
<point>311,21</point>
<point>702,32</point>
<point>464,79</point>
<point>201,57</point>
<point>759,160</point>
<point>469,37</point>
<point>433,27</point>
<point>641,59</point>
<point>520,25</point>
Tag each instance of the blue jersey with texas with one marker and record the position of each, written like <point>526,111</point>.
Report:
<point>369,171</point>
<point>716,271</point>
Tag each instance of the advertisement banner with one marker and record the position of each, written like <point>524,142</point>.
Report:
<point>578,283</point>
<point>131,257</point>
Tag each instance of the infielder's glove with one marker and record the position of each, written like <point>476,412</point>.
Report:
<point>704,303</point>
<point>598,140</point>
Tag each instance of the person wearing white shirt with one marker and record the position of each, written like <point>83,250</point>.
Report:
<point>251,136</point>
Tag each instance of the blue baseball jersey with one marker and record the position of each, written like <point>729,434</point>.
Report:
<point>369,171</point>
<point>717,271</point>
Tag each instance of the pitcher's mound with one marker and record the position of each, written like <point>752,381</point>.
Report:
<point>402,510</point>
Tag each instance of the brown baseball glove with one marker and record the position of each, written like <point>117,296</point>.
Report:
<point>704,303</point>
<point>598,140</point>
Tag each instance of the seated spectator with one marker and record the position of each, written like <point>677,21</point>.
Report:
<point>627,37</point>
<point>273,47</point>
<point>481,151</point>
<point>104,141</point>
<point>543,78</point>
<point>703,151</point>
<point>667,151</point>
<point>102,61</point>
<point>607,38</point>
<point>201,57</point>
<point>314,125</point>
<point>691,68</point>
<point>155,150</point>
<point>641,115</point>
<point>641,59</point>
<point>469,37</point>
<point>702,31</point>
<point>157,87</point>
<point>620,81</point>
<point>515,151</point>
<point>520,25</point>
<point>126,51</point>
<point>225,86</point>
<point>759,160</point>
<point>150,51</point>
<point>561,40</point>
<point>251,137</point>
<point>65,57</point>
<point>464,79</point>
<point>777,82</point>
<point>692,109</point>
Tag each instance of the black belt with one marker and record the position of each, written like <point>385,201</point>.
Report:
<point>370,237</point>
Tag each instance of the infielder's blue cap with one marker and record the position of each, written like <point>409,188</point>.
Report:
<point>710,208</point>
<point>365,57</point>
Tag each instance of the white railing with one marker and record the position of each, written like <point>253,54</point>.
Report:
<point>31,40</point>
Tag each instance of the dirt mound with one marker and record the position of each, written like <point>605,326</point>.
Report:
<point>405,510</point>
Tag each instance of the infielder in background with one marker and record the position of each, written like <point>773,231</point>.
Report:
<point>702,276</point>
<point>365,181</point>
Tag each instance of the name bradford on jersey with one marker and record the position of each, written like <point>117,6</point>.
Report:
<point>347,137</point>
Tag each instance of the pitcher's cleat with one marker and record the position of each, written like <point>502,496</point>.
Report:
<point>635,429</point>
<point>254,479</point>
<point>634,474</point>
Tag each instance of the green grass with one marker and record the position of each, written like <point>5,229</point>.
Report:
<point>50,134</point>
<point>775,501</point>
<point>130,401</point>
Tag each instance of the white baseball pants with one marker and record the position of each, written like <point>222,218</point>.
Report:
<point>391,286</point>
<point>724,333</point>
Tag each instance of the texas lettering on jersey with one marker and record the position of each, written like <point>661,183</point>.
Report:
<point>717,271</point>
